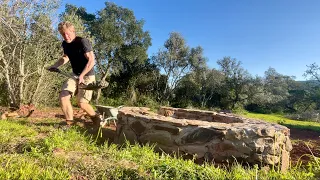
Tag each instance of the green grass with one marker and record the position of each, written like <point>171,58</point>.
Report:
<point>24,166</point>
<point>279,119</point>
<point>80,157</point>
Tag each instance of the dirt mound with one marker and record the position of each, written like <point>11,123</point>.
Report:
<point>306,144</point>
<point>303,134</point>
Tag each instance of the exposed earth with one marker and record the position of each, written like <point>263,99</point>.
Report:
<point>306,143</point>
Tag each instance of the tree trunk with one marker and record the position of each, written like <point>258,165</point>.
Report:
<point>103,80</point>
<point>96,101</point>
<point>22,76</point>
<point>12,98</point>
<point>36,92</point>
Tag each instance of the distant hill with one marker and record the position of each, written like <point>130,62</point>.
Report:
<point>309,83</point>
<point>315,82</point>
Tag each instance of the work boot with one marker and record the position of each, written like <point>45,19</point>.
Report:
<point>65,125</point>
<point>70,122</point>
<point>97,119</point>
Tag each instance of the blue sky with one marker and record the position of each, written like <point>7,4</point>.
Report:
<point>282,34</point>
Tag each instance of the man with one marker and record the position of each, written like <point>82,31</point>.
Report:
<point>78,51</point>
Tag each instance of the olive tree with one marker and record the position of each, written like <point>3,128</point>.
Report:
<point>27,45</point>
<point>177,59</point>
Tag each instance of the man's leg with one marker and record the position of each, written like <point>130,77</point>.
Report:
<point>65,104</point>
<point>96,118</point>
<point>68,88</point>
<point>84,97</point>
<point>87,108</point>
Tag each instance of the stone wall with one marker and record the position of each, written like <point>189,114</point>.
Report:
<point>208,135</point>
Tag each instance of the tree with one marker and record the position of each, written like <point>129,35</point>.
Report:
<point>236,82</point>
<point>176,60</point>
<point>137,80</point>
<point>313,72</point>
<point>26,41</point>
<point>81,12</point>
<point>120,40</point>
<point>211,83</point>
<point>276,86</point>
<point>199,88</point>
<point>273,91</point>
<point>303,96</point>
<point>311,90</point>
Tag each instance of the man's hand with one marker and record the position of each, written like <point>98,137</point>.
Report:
<point>80,80</point>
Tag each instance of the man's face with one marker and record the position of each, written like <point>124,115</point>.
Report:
<point>68,35</point>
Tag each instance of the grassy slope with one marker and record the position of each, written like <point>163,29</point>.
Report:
<point>274,118</point>
<point>41,151</point>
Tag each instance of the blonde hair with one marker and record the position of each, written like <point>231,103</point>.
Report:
<point>65,25</point>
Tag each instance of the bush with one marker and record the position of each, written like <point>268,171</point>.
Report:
<point>305,116</point>
<point>239,110</point>
<point>147,101</point>
<point>115,102</point>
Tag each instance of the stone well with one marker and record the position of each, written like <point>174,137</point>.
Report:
<point>208,135</point>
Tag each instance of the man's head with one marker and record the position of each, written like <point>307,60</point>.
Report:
<point>67,31</point>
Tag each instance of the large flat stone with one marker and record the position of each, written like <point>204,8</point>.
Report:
<point>226,136</point>
<point>201,135</point>
<point>171,129</point>
<point>138,127</point>
<point>127,135</point>
<point>157,137</point>
<point>197,150</point>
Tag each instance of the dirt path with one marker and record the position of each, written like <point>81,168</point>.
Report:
<point>302,134</point>
<point>306,143</point>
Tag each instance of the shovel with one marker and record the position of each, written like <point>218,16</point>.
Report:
<point>90,86</point>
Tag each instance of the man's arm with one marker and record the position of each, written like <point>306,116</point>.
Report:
<point>90,56</point>
<point>61,61</point>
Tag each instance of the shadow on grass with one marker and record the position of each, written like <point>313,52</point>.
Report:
<point>303,127</point>
<point>100,135</point>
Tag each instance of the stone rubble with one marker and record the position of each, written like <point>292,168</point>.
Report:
<point>218,137</point>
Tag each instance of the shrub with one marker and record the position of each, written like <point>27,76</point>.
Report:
<point>305,116</point>
<point>147,101</point>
